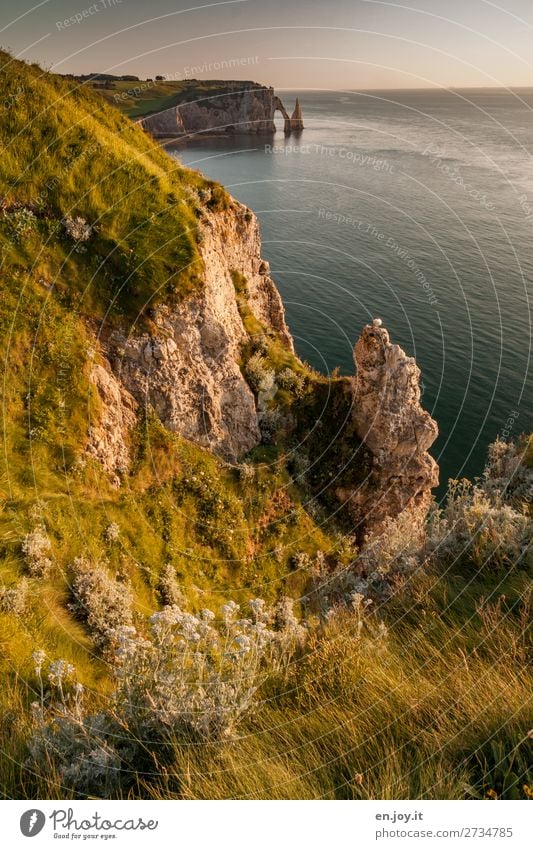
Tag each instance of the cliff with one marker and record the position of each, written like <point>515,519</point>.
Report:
<point>245,108</point>
<point>187,369</point>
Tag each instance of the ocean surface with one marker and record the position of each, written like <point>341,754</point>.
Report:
<point>417,207</point>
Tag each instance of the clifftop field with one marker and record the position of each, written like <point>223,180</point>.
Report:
<point>190,627</point>
<point>138,98</point>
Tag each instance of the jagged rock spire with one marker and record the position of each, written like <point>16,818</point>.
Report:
<point>390,421</point>
<point>296,117</point>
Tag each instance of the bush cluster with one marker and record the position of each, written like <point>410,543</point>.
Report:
<point>191,676</point>
<point>36,549</point>
<point>102,602</point>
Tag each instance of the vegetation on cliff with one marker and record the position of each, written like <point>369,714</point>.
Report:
<point>145,97</point>
<point>397,671</point>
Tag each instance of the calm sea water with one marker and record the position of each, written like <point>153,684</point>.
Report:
<point>416,207</point>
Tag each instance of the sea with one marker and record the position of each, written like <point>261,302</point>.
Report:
<point>415,207</point>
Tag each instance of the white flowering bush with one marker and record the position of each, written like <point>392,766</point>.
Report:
<point>104,603</point>
<point>505,475</point>
<point>81,747</point>
<point>169,588</point>
<point>259,374</point>
<point>36,550</point>
<point>195,675</point>
<point>190,677</point>
<point>14,599</point>
<point>112,532</point>
<point>480,528</point>
<point>77,228</point>
<point>395,551</point>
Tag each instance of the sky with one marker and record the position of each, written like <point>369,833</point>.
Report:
<point>291,44</point>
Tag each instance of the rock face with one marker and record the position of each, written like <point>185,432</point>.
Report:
<point>111,424</point>
<point>187,370</point>
<point>245,108</point>
<point>389,419</point>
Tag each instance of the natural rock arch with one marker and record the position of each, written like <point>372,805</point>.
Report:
<point>291,123</point>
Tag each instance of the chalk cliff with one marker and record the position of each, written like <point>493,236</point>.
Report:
<point>187,369</point>
<point>238,108</point>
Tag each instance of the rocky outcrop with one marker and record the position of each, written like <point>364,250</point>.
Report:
<point>390,421</point>
<point>296,122</point>
<point>111,422</point>
<point>187,369</point>
<point>236,108</point>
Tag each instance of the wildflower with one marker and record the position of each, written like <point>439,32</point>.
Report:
<point>38,658</point>
<point>58,671</point>
<point>112,532</point>
<point>35,548</point>
<point>229,611</point>
<point>243,642</point>
<point>77,228</point>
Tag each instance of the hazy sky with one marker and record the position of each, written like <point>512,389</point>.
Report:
<point>340,44</point>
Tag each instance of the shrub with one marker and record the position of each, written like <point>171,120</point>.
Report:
<point>81,748</point>
<point>105,604</point>
<point>506,476</point>
<point>112,532</point>
<point>21,222</point>
<point>258,374</point>
<point>36,548</point>
<point>246,473</point>
<point>77,229</point>
<point>191,678</point>
<point>290,381</point>
<point>270,421</point>
<point>14,599</point>
<point>479,528</point>
<point>169,588</point>
<point>395,551</point>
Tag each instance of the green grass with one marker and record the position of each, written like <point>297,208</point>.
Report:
<point>65,152</point>
<point>438,708</point>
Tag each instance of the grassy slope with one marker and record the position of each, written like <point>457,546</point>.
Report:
<point>64,152</point>
<point>354,705</point>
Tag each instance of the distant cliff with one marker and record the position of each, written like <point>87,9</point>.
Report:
<point>232,107</point>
